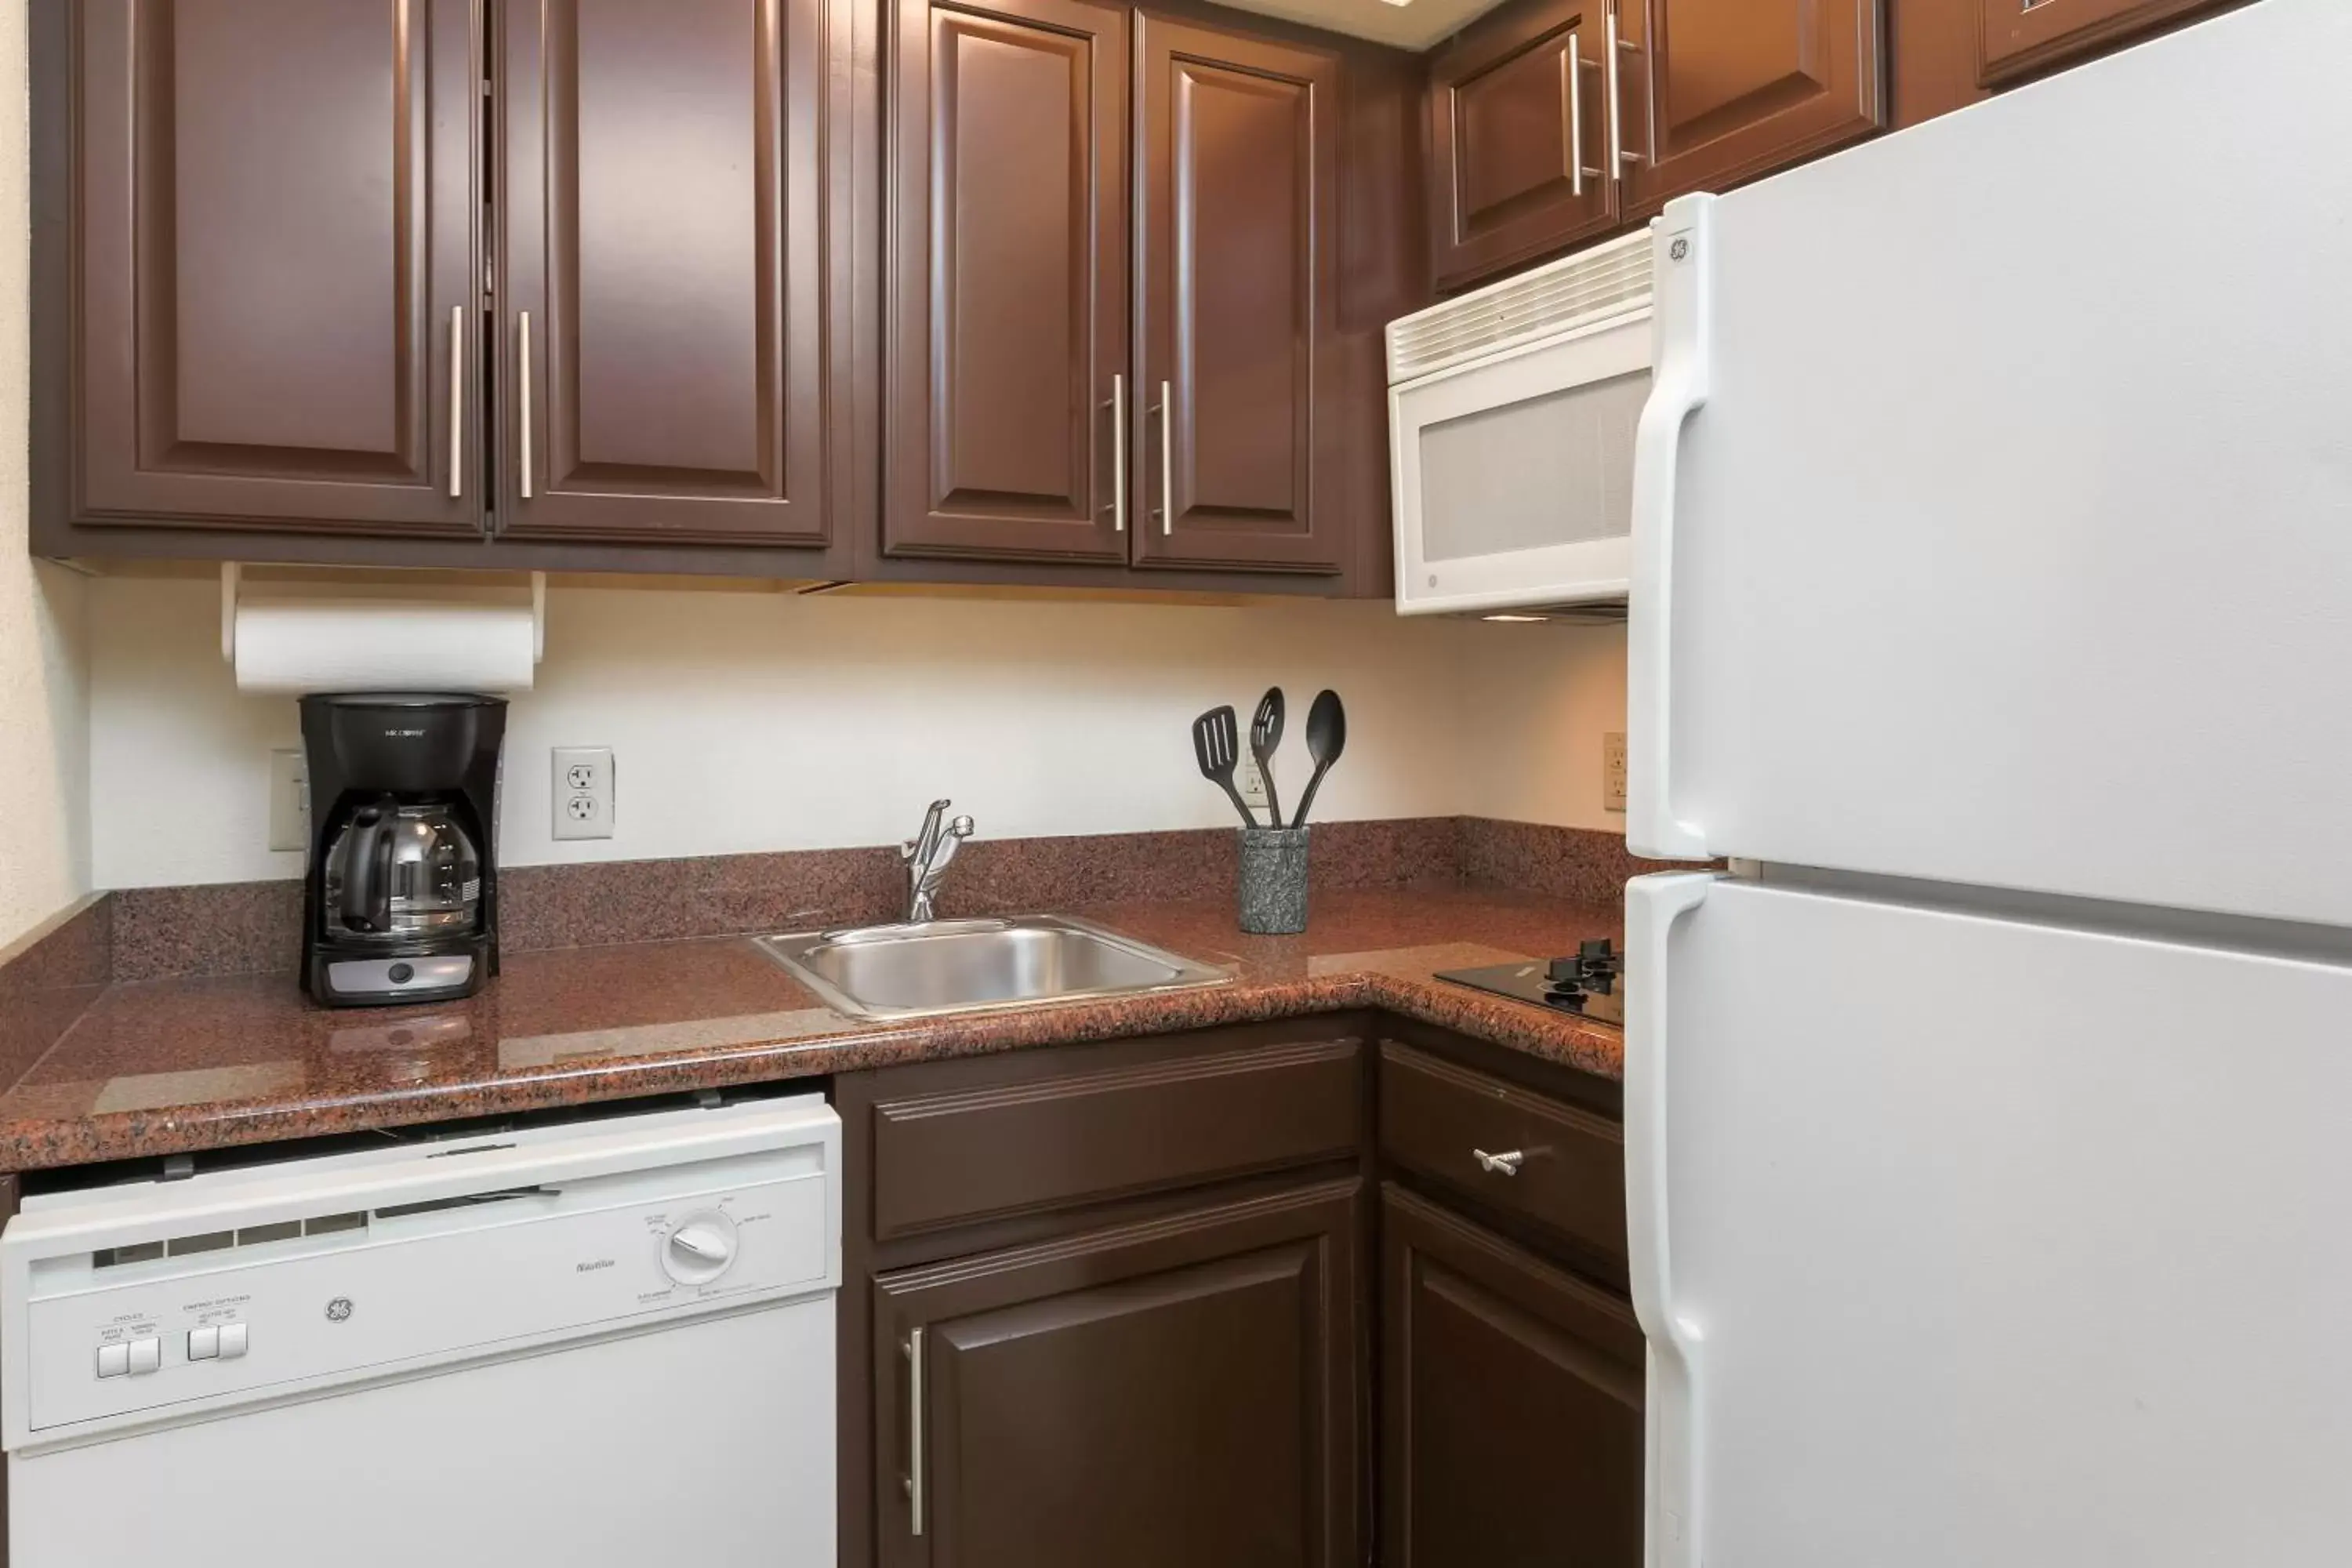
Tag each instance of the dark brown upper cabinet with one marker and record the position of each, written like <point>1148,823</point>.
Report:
<point>2021,37</point>
<point>1167,1393</point>
<point>661,272</point>
<point>1511,1422</point>
<point>1517,130</point>
<point>1006,347</point>
<point>267,314</point>
<point>1713,93</point>
<point>1237,281</point>
<point>1026,351</point>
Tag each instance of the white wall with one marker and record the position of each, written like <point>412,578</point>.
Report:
<point>748,720</point>
<point>1542,699</point>
<point>43,737</point>
<point>751,721</point>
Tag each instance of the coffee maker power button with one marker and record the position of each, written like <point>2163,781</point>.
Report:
<point>401,974</point>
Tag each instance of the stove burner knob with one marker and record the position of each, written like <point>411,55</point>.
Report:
<point>701,1249</point>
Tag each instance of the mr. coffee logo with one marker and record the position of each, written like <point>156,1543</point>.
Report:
<point>339,1311</point>
<point>404,734</point>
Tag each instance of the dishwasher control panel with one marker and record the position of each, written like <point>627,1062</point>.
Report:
<point>440,1270</point>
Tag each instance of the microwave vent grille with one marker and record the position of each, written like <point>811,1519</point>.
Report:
<point>1596,285</point>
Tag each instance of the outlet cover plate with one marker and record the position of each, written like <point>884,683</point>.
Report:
<point>1613,771</point>
<point>582,802</point>
<point>289,800</point>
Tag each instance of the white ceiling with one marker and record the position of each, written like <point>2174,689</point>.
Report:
<point>1416,24</point>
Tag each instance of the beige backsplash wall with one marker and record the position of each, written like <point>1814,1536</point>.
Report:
<point>44,734</point>
<point>750,720</point>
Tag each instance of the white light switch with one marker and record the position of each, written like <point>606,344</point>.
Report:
<point>584,792</point>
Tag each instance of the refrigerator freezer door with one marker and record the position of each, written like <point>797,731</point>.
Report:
<point>2009,540</point>
<point>1984,1242</point>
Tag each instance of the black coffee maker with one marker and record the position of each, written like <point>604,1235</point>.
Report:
<point>400,899</point>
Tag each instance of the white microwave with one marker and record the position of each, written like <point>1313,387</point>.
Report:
<point>1511,418</point>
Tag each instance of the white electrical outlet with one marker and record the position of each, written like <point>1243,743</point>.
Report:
<point>584,792</point>
<point>1613,771</point>
<point>1249,780</point>
<point>289,800</point>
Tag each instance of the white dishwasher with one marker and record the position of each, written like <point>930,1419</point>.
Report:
<point>600,1342</point>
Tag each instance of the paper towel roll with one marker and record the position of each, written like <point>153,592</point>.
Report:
<point>382,645</point>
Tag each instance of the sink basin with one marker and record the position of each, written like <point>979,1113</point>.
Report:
<point>962,967</point>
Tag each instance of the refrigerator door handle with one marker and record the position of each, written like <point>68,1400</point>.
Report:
<point>1683,267</point>
<point>1673,1532</point>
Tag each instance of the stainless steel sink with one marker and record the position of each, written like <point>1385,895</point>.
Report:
<point>962,967</point>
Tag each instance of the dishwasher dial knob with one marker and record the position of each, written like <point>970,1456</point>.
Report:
<point>701,1249</point>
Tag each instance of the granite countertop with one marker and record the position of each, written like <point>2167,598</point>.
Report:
<point>168,1066</point>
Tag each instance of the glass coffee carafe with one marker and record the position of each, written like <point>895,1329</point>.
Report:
<point>402,872</point>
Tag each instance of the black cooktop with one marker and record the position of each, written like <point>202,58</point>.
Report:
<point>1590,984</point>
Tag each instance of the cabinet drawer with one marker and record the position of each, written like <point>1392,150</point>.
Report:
<point>1053,1140</point>
<point>1569,1175</point>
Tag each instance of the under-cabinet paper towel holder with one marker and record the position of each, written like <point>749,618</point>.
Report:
<point>232,578</point>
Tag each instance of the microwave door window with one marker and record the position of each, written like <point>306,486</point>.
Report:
<point>1549,470</point>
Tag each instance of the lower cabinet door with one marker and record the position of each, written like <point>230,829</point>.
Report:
<point>1511,1419</point>
<point>1171,1394</point>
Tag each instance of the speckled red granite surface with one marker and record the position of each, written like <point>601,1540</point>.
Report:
<point>167,1066</point>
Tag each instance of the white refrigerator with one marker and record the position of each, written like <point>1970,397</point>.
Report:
<point>1988,1126</point>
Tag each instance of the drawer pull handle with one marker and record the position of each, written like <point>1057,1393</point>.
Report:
<point>1505,1164</point>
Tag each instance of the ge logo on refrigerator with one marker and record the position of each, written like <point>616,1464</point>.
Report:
<point>1678,250</point>
<point>339,1311</point>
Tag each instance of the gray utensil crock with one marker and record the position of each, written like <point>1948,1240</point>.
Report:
<point>1274,880</point>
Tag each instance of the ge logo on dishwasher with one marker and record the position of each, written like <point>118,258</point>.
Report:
<point>339,1311</point>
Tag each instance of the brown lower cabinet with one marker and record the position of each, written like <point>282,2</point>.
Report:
<point>1167,1393</point>
<point>1127,1304</point>
<point>1510,1432</point>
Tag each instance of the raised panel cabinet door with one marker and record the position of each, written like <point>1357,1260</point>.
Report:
<point>2020,37</point>
<point>1236,279</point>
<point>1713,93</point>
<point>1511,1392</point>
<point>1004,282</point>
<point>274,213</point>
<point>1169,1394</point>
<point>663,274</point>
<point>1516,125</point>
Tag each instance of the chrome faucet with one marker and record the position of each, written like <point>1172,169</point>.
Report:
<point>927,855</point>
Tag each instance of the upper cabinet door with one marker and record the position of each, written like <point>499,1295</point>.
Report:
<point>275,209</point>
<point>1237,288</point>
<point>1516,128</point>
<point>2020,37</point>
<point>1006,265</point>
<point>1712,92</point>
<point>661,291</point>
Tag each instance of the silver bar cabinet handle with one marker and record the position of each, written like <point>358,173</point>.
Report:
<point>1505,1164</point>
<point>1167,464</point>
<point>914,1349</point>
<point>456,401</point>
<point>522,388</point>
<point>1118,452</point>
<point>1618,156</point>
<point>1575,116</point>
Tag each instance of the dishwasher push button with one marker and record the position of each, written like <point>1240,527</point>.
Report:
<point>203,1344</point>
<point>232,1341</point>
<point>146,1355</point>
<point>113,1359</point>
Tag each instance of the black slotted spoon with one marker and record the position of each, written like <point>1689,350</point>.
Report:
<point>1266,735</point>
